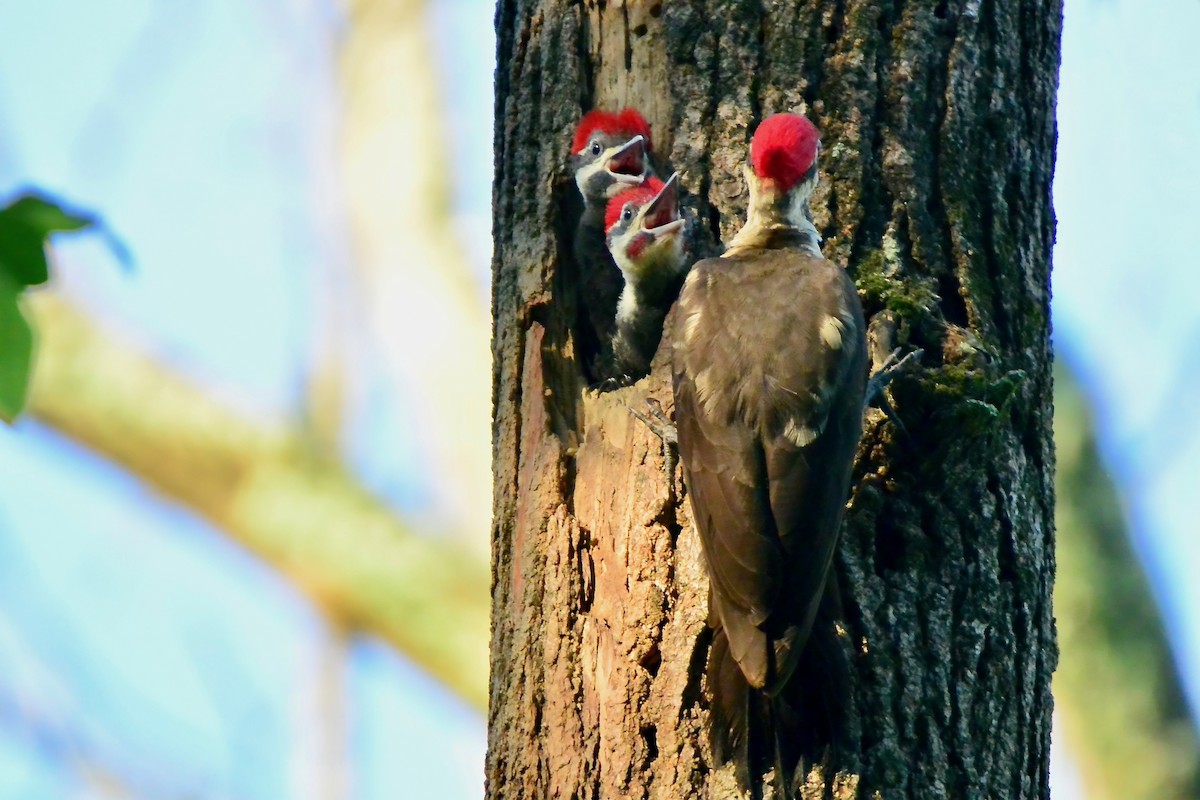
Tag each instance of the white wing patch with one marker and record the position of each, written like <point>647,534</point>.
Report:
<point>691,325</point>
<point>799,435</point>
<point>833,330</point>
<point>707,394</point>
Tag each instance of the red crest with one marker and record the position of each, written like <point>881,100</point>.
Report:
<point>638,195</point>
<point>627,122</point>
<point>783,149</point>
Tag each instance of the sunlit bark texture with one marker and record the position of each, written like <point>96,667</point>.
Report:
<point>938,123</point>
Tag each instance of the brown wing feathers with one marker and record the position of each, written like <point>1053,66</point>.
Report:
<point>768,405</point>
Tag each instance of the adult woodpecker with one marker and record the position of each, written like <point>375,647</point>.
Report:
<point>609,154</point>
<point>645,237</point>
<point>770,365</point>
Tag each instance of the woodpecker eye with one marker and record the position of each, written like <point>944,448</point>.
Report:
<point>596,148</point>
<point>627,214</point>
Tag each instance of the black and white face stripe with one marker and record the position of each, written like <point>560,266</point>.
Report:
<point>629,213</point>
<point>607,165</point>
<point>645,239</point>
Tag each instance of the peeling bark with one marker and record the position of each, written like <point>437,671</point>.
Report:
<point>938,122</point>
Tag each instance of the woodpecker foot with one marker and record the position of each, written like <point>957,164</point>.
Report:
<point>885,374</point>
<point>889,370</point>
<point>661,426</point>
<point>657,421</point>
<point>611,384</point>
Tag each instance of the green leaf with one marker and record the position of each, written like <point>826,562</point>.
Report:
<point>16,350</point>
<point>45,216</point>
<point>24,226</point>
<point>22,253</point>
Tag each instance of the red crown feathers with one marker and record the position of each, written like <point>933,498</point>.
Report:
<point>626,122</point>
<point>639,195</point>
<point>783,149</point>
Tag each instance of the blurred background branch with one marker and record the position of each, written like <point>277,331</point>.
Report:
<point>1117,687</point>
<point>422,303</point>
<point>298,510</point>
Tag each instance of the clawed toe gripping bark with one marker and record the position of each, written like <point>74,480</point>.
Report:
<point>661,426</point>
<point>879,380</point>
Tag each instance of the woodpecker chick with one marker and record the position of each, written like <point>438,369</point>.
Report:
<point>645,238</point>
<point>770,362</point>
<point>609,154</point>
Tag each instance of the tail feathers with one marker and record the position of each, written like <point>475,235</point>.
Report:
<point>759,733</point>
<point>820,686</point>
<point>730,706</point>
<point>783,725</point>
<point>755,732</point>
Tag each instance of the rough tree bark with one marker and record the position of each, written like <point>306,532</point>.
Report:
<point>939,135</point>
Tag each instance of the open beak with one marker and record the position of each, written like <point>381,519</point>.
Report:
<point>627,163</point>
<point>660,216</point>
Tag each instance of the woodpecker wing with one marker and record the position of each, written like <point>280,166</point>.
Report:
<point>769,373</point>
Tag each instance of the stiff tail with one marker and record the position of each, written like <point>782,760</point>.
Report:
<point>782,725</point>
<point>800,723</point>
<point>819,689</point>
<point>755,732</point>
<point>730,707</point>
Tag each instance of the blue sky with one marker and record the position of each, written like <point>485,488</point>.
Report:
<point>1126,277</point>
<point>134,636</point>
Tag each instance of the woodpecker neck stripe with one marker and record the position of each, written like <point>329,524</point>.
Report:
<point>772,211</point>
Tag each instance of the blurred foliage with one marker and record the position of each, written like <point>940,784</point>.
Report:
<point>25,225</point>
<point>1117,688</point>
<point>300,511</point>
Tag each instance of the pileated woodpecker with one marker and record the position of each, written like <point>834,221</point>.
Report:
<point>645,237</point>
<point>610,153</point>
<point>770,367</point>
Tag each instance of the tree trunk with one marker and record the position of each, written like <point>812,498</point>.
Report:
<point>938,135</point>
